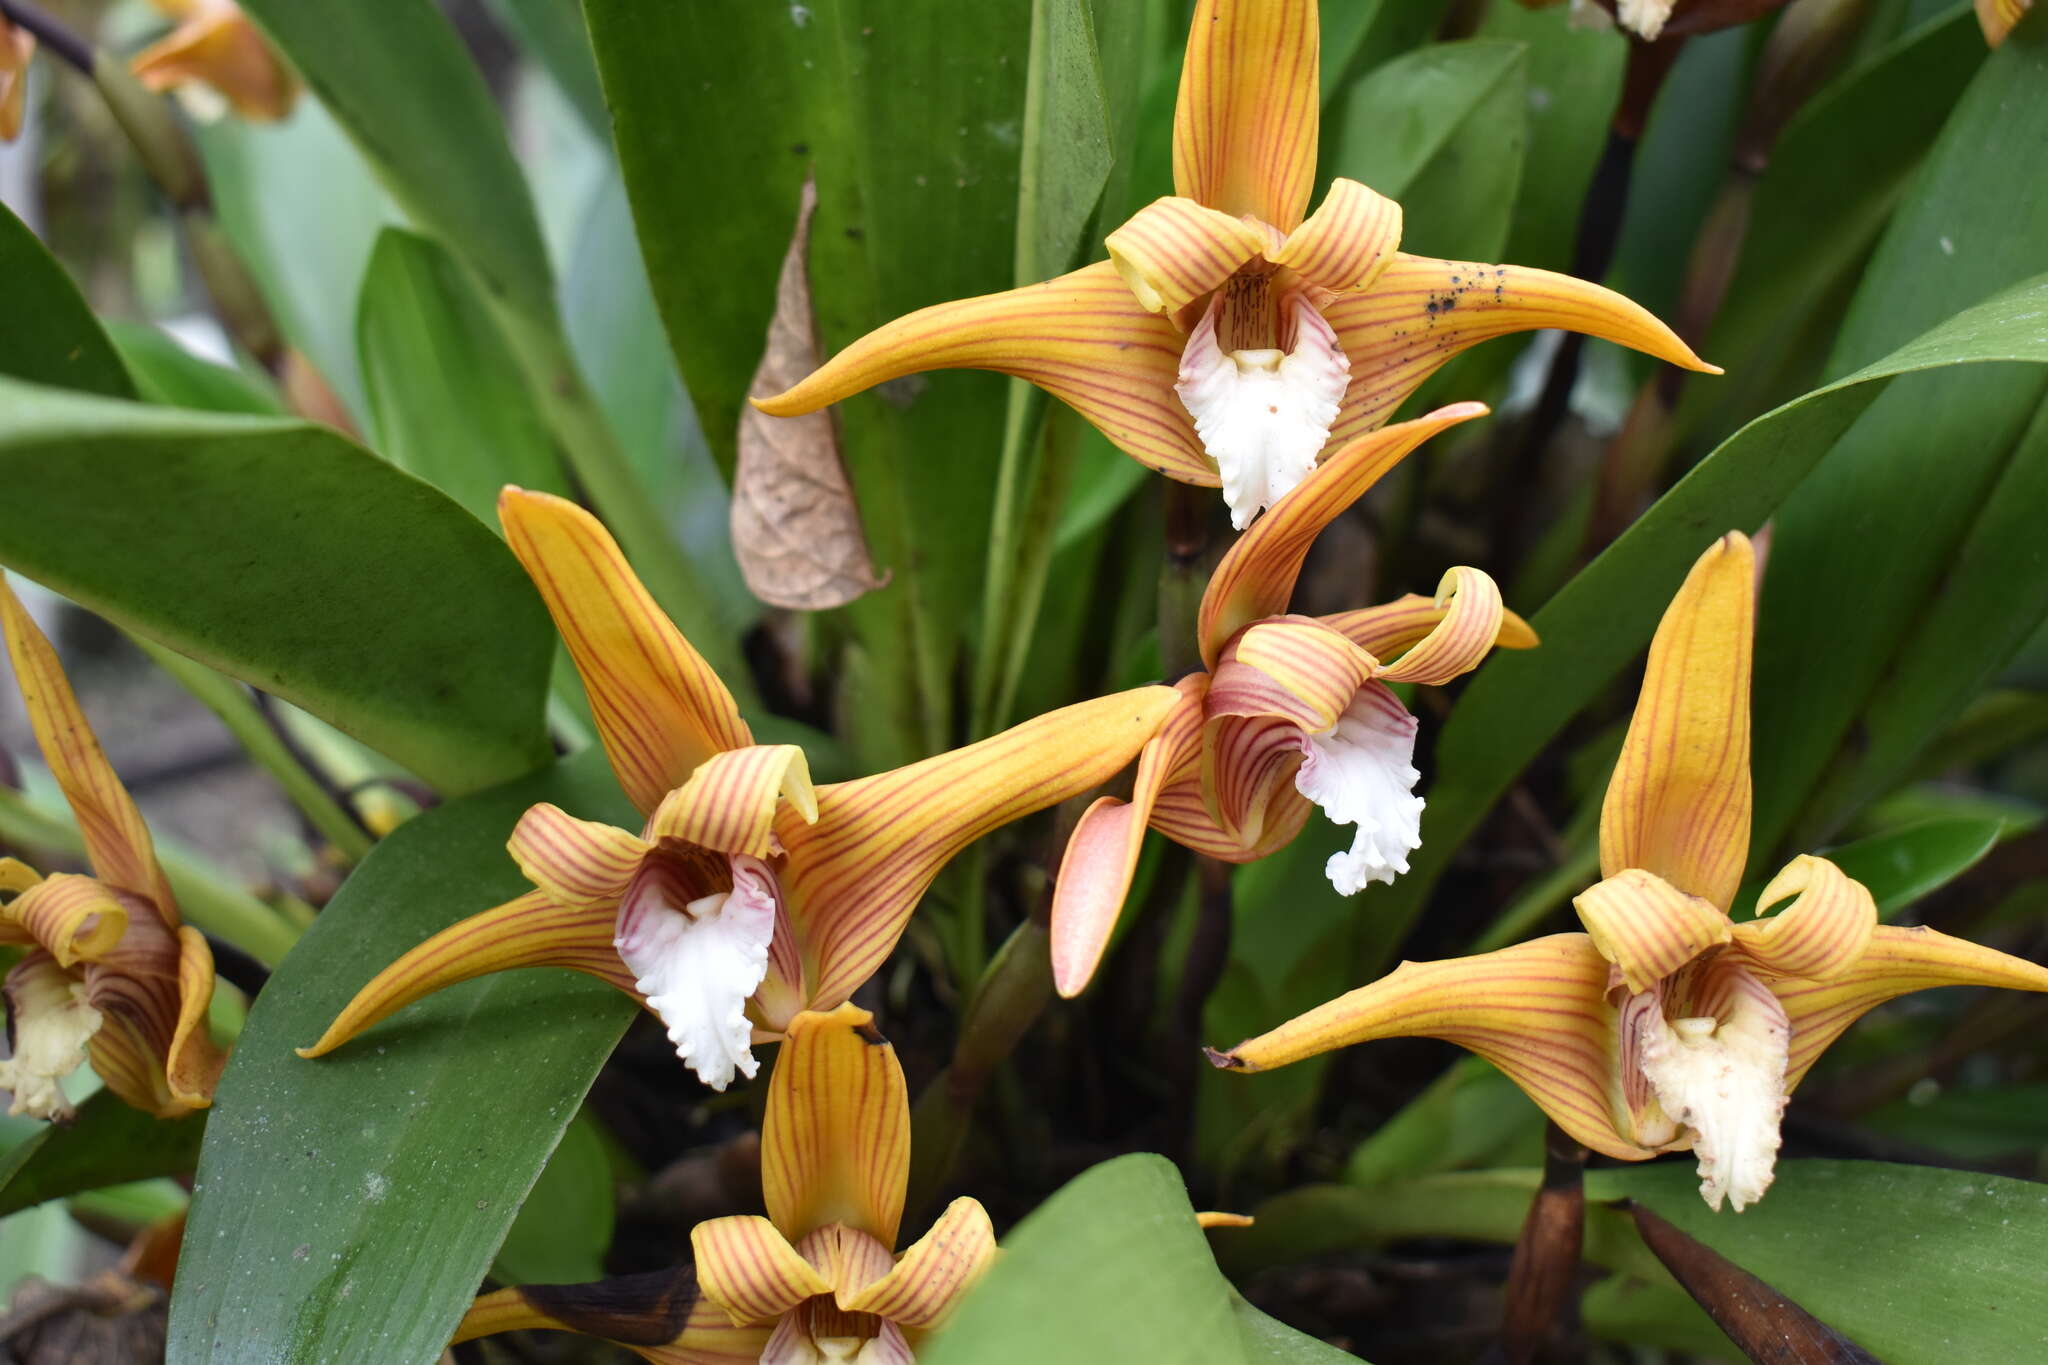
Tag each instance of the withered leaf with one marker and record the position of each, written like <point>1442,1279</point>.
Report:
<point>795,526</point>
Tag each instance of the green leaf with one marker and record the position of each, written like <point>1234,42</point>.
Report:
<point>109,1143</point>
<point>1645,1313</point>
<point>1409,113</point>
<point>1903,865</point>
<point>279,553</point>
<point>564,1225</point>
<point>51,336</point>
<point>401,84</point>
<point>1597,622</point>
<point>168,374</point>
<point>1905,571</point>
<point>552,31</point>
<point>1830,1232</point>
<point>1268,1341</point>
<point>447,400</point>
<point>1118,1252</point>
<point>404,1156</point>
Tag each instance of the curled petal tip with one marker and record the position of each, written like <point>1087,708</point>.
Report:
<point>779,404</point>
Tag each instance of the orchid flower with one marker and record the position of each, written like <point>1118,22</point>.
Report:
<point>17,47</point>
<point>1997,18</point>
<point>1667,1026</point>
<point>1292,712</point>
<point>1229,340</point>
<point>216,47</point>
<point>817,1281</point>
<point>110,972</point>
<point>749,895</point>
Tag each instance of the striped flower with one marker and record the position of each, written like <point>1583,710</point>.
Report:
<point>110,972</point>
<point>1667,1026</point>
<point>818,1280</point>
<point>1292,712</point>
<point>215,55</point>
<point>1229,340</point>
<point>749,895</point>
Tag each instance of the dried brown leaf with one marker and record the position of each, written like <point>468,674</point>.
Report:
<point>795,526</point>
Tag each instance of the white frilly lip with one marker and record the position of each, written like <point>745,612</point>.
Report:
<point>1362,772</point>
<point>698,963</point>
<point>792,1344</point>
<point>1725,1080</point>
<point>1263,416</point>
<point>1644,18</point>
<point>53,1022</point>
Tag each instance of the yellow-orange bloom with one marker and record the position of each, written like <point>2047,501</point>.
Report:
<point>1667,1026</point>
<point>1232,336</point>
<point>819,1278</point>
<point>749,895</point>
<point>1997,17</point>
<point>216,46</point>
<point>111,973</point>
<point>17,46</point>
<point>1292,712</point>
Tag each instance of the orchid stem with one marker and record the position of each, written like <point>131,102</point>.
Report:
<point>1548,1252</point>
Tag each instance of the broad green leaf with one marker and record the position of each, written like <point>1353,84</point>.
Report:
<point>447,401</point>
<point>552,32</point>
<point>1905,538</point>
<point>1902,866</point>
<point>1599,621</point>
<point>279,553</point>
<point>401,84</point>
<point>1118,1253</point>
<point>168,374</point>
<point>1642,1312</point>
<point>403,1157</point>
<point>565,1223</point>
<point>1268,1341</point>
<point>1869,1248</point>
<point>109,1143</point>
<point>1471,1115</point>
<point>1408,113</point>
<point>51,336</point>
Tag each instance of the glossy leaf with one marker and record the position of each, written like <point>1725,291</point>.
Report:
<point>168,374</point>
<point>565,1222</point>
<point>279,553</point>
<point>446,399</point>
<point>1600,620</point>
<point>403,1157</point>
<point>51,336</point>
<point>109,1143</point>
<point>1901,866</point>
<point>552,30</point>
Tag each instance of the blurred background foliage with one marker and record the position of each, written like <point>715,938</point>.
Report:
<point>534,242</point>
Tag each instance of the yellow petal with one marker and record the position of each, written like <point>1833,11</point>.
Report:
<point>1997,17</point>
<point>934,1273</point>
<point>1678,804</point>
<point>1897,962</point>
<point>17,47</point>
<point>1292,668</point>
<point>1822,933</point>
<point>576,862</point>
<point>1084,338</point>
<point>1173,251</point>
<point>1218,1219</point>
<point>74,918</point>
<point>1472,621</point>
<point>1388,629</point>
<point>1102,853</point>
<point>661,1316</point>
<point>729,803</point>
<point>1537,1011</point>
<point>1244,128</point>
<point>218,47</point>
<point>853,878</point>
<point>1347,241</point>
<point>1247,785</point>
<point>659,708</point>
<point>533,931</point>
<point>116,840</point>
<point>750,1270</point>
<point>835,1142</point>
<point>193,1068</point>
<point>847,1259</point>
<point>153,988</point>
<point>16,876</point>
<point>1648,927</point>
<point>1257,575</point>
<point>1420,312</point>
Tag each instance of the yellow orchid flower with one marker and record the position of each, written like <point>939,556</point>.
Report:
<point>110,973</point>
<point>1293,712</point>
<point>1667,1026</point>
<point>816,1281</point>
<point>216,46</point>
<point>17,47</point>
<point>749,895</point>
<point>1229,340</point>
<point>1997,17</point>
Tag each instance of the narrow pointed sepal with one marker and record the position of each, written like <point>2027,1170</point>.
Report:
<point>1173,251</point>
<point>1647,927</point>
<point>1102,853</point>
<point>1084,338</point>
<point>750,1270</point>
<point>933,1275</point>
<point>533,931</point>
<point>854,877</point>
<point>1257,575</point>
<point>1421,311</point>
<point>729,803</point>
<point>1898,961</point>
<point>1537,1011</point>
<point>1679,802</point>
<point>659,708</point>
<point>1347,241</point>
<point>835,1141</point>
<point>1245,123</point>
<point>1823,932</point>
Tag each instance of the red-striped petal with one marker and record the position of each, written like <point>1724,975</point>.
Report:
<point>729,803</point>
<point>1245,125</point>
<point>1648,927</point>
<point>750,1270</point>
<point>577,862</point>
<point>933,1275</point>
<point>1388,629</point>
<point>1824,931</point>
<point>835,1141</point>
<point>1173,251</point>
<point>1460,642</point>
<point>1347,241</point>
